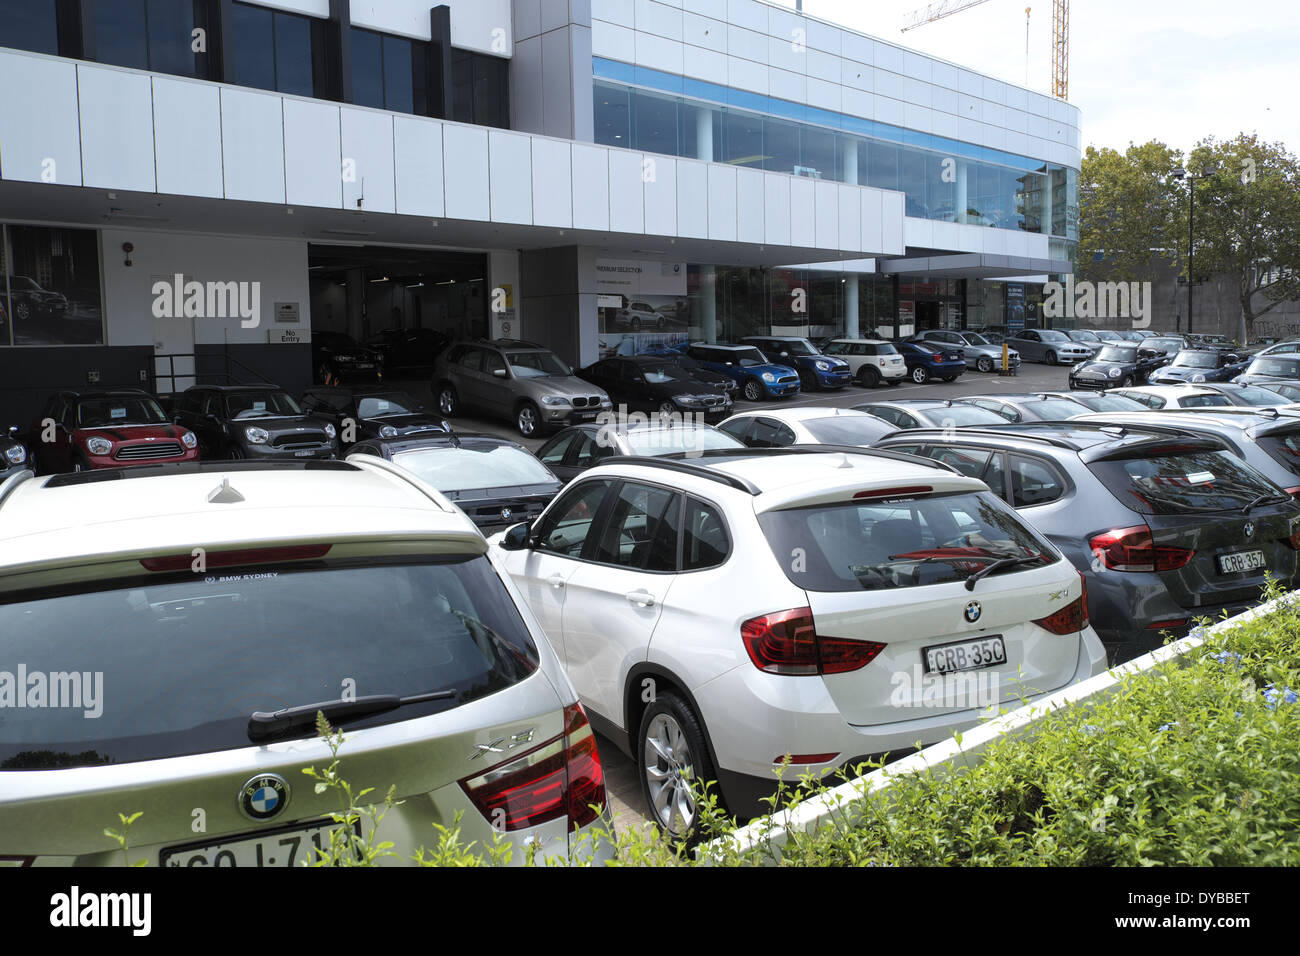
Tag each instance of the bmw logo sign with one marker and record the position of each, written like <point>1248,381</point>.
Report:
<point>505,514</point>
<point>1249,529</point>
<point>973,612</point>
<point>264,796</point>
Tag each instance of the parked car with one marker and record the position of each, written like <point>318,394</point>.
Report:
<point>1102,401</point>
<point>870,361</point>
<point>1168,344</point>
<point>1110,337</point>
<point>650,384</point>
<point>1026,407</point>
<point>776,428</point>
<point>639,315</point>
<point>408,348</point>
<point>496,482</point>
<point>713,381</point>
<point>1274,347</point>
<point>579,447</point>
<point>518,381</point>
<point>1199,365</point>
<point>1164,527</point>
<point>1288,390</point>
<point>29,299</point>
<point>1247,395</point>
<point>319,579</point>
<point>1116,365</point>
<point>1175,396</point>
<point>930,413</point>
<point>14,456</point>
<point>816,370</point>
<point>1049,346</point>
<point>702,649</point>
<point>927,360</point>
<point>253,421</point>
<point>361,413</point>
<point>338,359</point>
<point>81,431</point>
<point>757,376</point>
<point>1086,338</point>
<point>977,351</point>
<point>1269,369</point>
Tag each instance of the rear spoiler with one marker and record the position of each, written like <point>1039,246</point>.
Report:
<point>1153,446</point>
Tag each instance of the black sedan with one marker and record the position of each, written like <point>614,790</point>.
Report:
<point>337,358</point>
<point>13,454</point>
<point>646,383</point>
<point>253,421</point>
<point>361,413</point>
<point>1116,366</point>
<point>711,380</point>
<point>496,482</point>
<point>1199,365</point>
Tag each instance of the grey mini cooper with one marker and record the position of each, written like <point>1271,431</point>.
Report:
<point>515,380</point>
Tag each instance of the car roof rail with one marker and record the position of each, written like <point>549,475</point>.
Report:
<point>827,449</point>
<point>687,468</point>
<point>997,431</point>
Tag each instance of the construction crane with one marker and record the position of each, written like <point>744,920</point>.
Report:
<point>1060,34</point>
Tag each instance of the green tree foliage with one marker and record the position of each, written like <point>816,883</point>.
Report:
<point>1128,213</point>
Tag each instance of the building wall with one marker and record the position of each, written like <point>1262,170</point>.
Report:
<point>473,22</point>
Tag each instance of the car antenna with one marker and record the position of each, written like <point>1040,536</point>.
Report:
<point>224,494</point>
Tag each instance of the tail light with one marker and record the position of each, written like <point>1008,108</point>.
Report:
<point>1133,549</point>
<point>561,777</point>
<point>787,642</point>
<point>1070,619</point>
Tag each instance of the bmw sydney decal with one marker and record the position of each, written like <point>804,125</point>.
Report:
<point>973,612</point>
<point>264,796</point>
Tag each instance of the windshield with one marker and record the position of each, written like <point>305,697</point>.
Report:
<point>1053,409</point>
<point>1196,360</point>
<point>664,441</point>
<point>848,429</point>
<point>174,664</point>
<point>746,358</point>
<point>1278,367</point>
<point>873,546</point>
<point>661,374</point>
<point>1083,335</point>
<point>106,412</point>
<point>260,404</point>
<point>1256,396</point>
<point>961,414</point>
<point>470,466</point>
<point>1109,403</point>
<point>536,365</point>
<point>1113,353</point>
<point>1050,336</point>
<point>385,404</point>
<point>1164,345</point>
<point>974,338</point>
<point>795,347</point>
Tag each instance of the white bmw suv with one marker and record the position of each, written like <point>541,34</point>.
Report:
<point>721,615</point>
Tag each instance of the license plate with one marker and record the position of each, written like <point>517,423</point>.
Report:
<point>290,847</point>
<point>585,416</point>
<point>953,358</point>
<point>304,453</point>
<point>965,655</point>
<point>1241,561</point>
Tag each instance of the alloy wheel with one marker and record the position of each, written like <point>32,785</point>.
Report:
<point>669,763</point>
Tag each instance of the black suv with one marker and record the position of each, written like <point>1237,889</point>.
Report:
<point>337,358</point>
<point>361,413</point>
<point>253,421</point>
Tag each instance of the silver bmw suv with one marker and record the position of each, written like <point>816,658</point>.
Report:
<point>519,381</point>
<point>168,634</point>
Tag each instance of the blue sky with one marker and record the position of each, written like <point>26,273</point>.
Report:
<point>1173,70</point>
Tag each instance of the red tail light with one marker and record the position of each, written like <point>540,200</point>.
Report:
<point>1133,549</point>
<point>561,777</point>
<point>1070,619</point>
<point>787,642</point>
<point>1293,492</point>
<point>238,558</point>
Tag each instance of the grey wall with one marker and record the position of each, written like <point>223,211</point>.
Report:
<point>553,302</point>
<point>28,376</point>
<point>550,78</point>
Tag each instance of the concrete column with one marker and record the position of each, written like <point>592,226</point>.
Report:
<point>704,135</point>
<point>708,314</point>
<point>961,204</point>
<point>849,160</point>
<point>851,305</point>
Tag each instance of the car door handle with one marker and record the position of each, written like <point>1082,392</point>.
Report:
<point>641,598</point>
<point>556,581</point>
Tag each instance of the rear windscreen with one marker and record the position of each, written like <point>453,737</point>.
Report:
<point>1179,482</point>
<point>172,664</point>
<point>899,543</point>
<point>1282,447</point>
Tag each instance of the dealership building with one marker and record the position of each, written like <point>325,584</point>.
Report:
<point>189,189</point>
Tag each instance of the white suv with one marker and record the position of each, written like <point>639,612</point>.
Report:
<point>721,614</point>
<point>872,361</point>
<point>185,623</point>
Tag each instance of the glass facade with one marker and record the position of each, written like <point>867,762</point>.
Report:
<point>480,89</point>
<point>153,35</point>
<point>280,51</point>
<point>942,179</point>
<point>389,72</point>
<point>28,25</point>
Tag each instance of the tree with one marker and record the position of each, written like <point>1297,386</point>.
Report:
<point>1128,214</point>
<point>1248,221</point>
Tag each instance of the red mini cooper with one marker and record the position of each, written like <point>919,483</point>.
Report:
<point>83,430</point>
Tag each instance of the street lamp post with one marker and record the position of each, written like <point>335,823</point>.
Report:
<point>1181,173</point>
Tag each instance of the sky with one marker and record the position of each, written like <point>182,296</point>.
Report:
<point>1172,70</point>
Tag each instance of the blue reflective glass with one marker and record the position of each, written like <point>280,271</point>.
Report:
<point>29,26</point>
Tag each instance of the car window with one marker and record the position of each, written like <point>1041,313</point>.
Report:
<point>1204,401</point>
<point>769,433</point>
<point>552,453</point>
<point>472,360</point>
<point>563,529</point>
<point>1033,483</point>
<point>968,461</point>
<point>1176,481</point>
<point>737,428</point>
<point>641,531</point>
<point>588,450</point>
<point>847,429</point>
<point>705,543</point>
<point>493,362</point>
<point>995,475</point>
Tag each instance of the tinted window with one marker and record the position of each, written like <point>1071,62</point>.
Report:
<point>737,427</point>
<point>704,537</point>
<point>252,641</point>
<point>847,429</point>
<point>969,461</point>
<point>120,35</point>
<point>768,433</point>
<point>388,72</point>
<point>1203,401</point>
<point>874,546</point>
<point>641,531</point>
<point>389,403</point>
<point>553,452</point>
<point>564,528</point>
<point>25,25</point>
<point>1033,483</point>
<point>1182,481</point>
<point>277,51</point>
<point>480,90</point>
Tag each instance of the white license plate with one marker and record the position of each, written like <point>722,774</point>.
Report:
<point>1241,561</point>
<point>283,847</point>
<point>965,655</point>
<point>305,453</point>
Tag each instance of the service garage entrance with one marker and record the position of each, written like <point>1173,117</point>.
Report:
<point>367,291</point>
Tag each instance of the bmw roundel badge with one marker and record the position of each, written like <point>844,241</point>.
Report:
<point>505,514</point>
<point>973,612</point>
<point>1249,529</point>
<point>264,796</point>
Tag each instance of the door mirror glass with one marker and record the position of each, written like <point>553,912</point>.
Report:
<point>499,372</point>
<point>516,537</point>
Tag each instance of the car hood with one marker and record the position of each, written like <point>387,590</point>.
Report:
<point>128,432</point>
<point>1103,368</point>
<point>279,424</point>
<point>992,351</point>
<point>562,385</point>
<point>407,424</point>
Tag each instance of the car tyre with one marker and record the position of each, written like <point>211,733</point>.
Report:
<point>236,453</point>
<point>1051,358</point>
<point>673,761</point>
<point>660,324</point>
<point>807,381</point>
<point>985,364</point>
<point>869,376</point>
<point>919,375</point>
<point>753,391</point>
<point>1126,382</point>
<point>667,408</point>
<point>950,378</point>
<point>448,403</point>
<point>528,420</point>
<point>635,324</point>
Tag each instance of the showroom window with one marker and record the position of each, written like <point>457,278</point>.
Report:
<point>388,72</point>
<point>480,89</point>
<point>49,287</point>
<point>280,51</point>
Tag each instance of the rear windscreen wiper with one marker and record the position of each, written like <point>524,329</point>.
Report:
<point>263,725</point>
<point>998,566</point>
<point>1263,498</point>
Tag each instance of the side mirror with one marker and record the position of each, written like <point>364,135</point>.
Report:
<point>516,537</point>
<point>1233,359</point>
<point>13,431</point>
<point>499,372</point>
